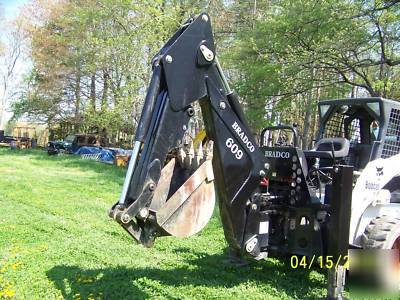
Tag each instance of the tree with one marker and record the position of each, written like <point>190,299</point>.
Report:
<point>91,59</point>
<point>301,51</point>
<point>11,52</point>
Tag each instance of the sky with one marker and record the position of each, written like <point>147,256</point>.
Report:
<point>10,7</point>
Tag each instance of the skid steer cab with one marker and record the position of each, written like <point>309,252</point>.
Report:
<point>272,198</point>
<point>367,135</point>
<point>361,133</point>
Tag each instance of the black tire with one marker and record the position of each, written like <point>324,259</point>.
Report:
<point>52,151</point>
<point>395,197</point>
<point>384,233</point>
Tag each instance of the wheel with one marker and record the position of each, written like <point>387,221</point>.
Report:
<point>395,196</point>
<point>384,233</point>
<point>52,151</point>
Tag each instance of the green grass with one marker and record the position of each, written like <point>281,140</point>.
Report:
<point>56,241</point>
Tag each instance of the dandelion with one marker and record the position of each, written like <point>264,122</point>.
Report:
<point>77,296</point>
<point>7,291</point>
<point>87,280</point>
<point>15,265</point>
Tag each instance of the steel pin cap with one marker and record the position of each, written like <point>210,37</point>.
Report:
<point>168,59</point>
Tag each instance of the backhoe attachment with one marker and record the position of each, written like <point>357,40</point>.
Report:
<point>169,185</point>
<point>267,195</point>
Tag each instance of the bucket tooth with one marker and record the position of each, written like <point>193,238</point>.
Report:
<point>189,156</point>
<point>209,150</point>
<point>198,157</point>
<point>181,157</point>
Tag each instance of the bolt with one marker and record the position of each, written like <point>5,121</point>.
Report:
<point>336,170</point>
<point>168,59</point>
<point>125,218</point>
<point>190,111</point>
<point>144,212</point>
<point>152,187</point>
<point>222,105</point>
<point>204,18</point>
<point>254,206</point>
<point>184,127</point>
<point>262,173</point>
<point>266,166</point>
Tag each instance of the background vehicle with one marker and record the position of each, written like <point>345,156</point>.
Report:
<point>71,143</point>
<point>273,197</point>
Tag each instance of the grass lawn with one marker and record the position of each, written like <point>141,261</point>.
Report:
<point>56,241</point>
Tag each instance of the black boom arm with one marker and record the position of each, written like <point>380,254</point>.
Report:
<point>186,70</point>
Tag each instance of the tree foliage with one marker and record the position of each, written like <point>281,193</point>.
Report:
<point>91,58</point>
<point>296,52</point>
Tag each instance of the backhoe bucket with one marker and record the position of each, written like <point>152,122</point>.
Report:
<point>190,207</point>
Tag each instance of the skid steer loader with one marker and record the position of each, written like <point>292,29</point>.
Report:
<point>273,197</point>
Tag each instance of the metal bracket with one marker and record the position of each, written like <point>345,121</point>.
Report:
<point>207,53</point>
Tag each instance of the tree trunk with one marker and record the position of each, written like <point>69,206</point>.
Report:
<point>307,121</point>
<point>93,92</point>
<point>314,121</point>
<point>314,128</point>
<point>309,105</point>
<point>77,101</point>
<point>106,78</point>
